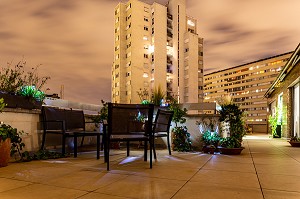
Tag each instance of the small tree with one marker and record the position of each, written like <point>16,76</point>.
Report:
<point>181,136</point>
<point>273,122</point>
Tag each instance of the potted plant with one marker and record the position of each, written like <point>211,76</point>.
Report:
<point>275,125</point>
<point>211,141</point>
<point>233,116</point>
<point>10,141</point>
<point>295,141</point>
<point>180,135</point>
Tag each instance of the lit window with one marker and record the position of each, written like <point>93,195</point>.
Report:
<point>146,47</point>
<point>117,38</point>
<point>117,56</point>
<point>190,23</point>
<point>145,38</point>
<point>146,9</point>
<point>151,49</point>
<point>145,75</point>
<point>128,7</point>
<point>128,64</point>
<point>117,20</point>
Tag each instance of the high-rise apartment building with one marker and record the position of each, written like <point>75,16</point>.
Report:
<point>246,84</point>
<point>156,46</point>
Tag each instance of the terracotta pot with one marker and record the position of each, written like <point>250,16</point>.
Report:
<point>294,144</point>
<point>4,152</point>
<point>230,151</point>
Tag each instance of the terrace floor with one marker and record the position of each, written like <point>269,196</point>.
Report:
<point>267,168</point>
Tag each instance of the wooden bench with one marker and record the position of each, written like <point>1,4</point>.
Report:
<point>67,123</point>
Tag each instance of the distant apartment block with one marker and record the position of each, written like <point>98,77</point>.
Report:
<point>247,84</point>
<point>156,46</point>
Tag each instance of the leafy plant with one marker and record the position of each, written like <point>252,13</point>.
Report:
<point>181,136</point>
<point>2,104</point>
<point>210,138</point>
<point>17,145</point>
<point>144,96</point>
<point>273,122</point>
<point>232,114</point>
<point>181,139</point>
<point>230,142</point>
<point>32,92</point>
<point>13,78</point>
<point>157,96</point>
<point>295,139</point>
<point>102,114</point>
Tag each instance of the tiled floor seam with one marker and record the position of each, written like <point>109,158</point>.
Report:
<point>284,152</point>
<point>191,177</point>
<point>261,189</point>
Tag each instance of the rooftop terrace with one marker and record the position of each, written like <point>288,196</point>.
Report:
<point>267,168</point>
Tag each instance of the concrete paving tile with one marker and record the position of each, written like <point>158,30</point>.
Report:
<point>86,180</point>
<point>280,182</point>
<point>196,190</point>
<point>41,192</point>
<point>229,178</point>
<point>284,169</point>
<point>8,184</point>
<point>273,194</point>
<point>232,158</point>
<point>226,166</point>
<point>143,187</point>
<point>100,195</point>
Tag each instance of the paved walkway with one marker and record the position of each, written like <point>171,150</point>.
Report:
<point>267,168</point>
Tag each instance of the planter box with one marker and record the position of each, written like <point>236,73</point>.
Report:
<point>16,101</point>
<point>294,144</point>
<point>230,151</point>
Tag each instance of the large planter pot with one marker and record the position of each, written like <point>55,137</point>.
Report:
<point>16,101</point>
<point>294,144</point>
<point>230,151</point>
<point>4,152</point>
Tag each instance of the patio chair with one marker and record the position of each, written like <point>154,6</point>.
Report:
<point>66,123</point>
<point>129,122</point>
<point>161,127</point>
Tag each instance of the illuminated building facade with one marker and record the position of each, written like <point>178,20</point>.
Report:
<point>246,84</point>
<point>156,46</point>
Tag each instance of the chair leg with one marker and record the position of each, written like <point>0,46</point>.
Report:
<point>98,147</point>
<point>81,144</point>
<point>75,146</point>
<point>154,152</point>
<point>63,145</point>
<point>145,150</point>
<point>128,151</point>
<point>169,145</point>
<point>107,155</point>
<point>102,143</point>
<point>151,142</point>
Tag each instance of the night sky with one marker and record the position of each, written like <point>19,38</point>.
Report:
<point>73,39</point>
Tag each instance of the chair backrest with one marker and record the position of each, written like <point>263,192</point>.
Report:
<point>129,119</point>
<point>75,119</point>
<point>162,121</point>
<point>52,114</point>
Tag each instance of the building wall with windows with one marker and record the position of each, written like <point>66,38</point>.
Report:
<point>246,84</point>
<point>156,46</point>
<point>284,94</point>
